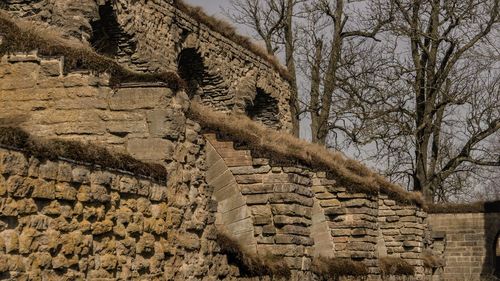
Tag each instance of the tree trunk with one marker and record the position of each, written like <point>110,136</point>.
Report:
<point>290,64</point>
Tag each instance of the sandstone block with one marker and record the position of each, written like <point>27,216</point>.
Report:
<point>80,175</point>
<point>51,67</point>
<point>65,191</point>
<point>133,98</point>
<point>43,189</point>
<point>166,123</point>
<point>150,149</point>
<point>102,227</point>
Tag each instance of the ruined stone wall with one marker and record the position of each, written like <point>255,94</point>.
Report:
<point>231,75</point>
<point>146,121</point>
<point>152,36</point>
<point>292,211</point>
<point>402,229</point>
<point>468,244</point>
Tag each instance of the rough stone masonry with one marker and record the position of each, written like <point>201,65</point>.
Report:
<point>62,220</point>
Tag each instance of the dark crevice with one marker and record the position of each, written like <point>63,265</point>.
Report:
<point>191,69</point>
<point>108,37</point>
<point>264,108</point>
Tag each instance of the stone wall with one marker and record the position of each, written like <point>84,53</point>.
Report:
<point>468,242</point>
<point>59,219</point>
<point>403,230</point>
<point>151,36</point>
<point>297,213</point>
<point>144,120</point>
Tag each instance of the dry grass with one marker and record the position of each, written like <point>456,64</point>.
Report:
<point>431,261</point>
<point>395,266</point>
<point>335,268</point>
<point>462,208</point>
<point>278,145</point>
<point>251,265</point>
<point>227,30</point>
<point>46,149</point>
<point>25,36</point>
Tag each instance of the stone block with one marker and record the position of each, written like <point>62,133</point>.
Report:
<point>51,67</point>
<point>139,98</point>
<point>249,170</point>
<point>168,123</point>
<point>291,210</point>
<point>80,175</point>
<point>65,191</point>
<point>43,189</point>
<point>150,149</point>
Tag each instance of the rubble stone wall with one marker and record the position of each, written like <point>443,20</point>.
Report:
<point>146,121</point>
<point>59,219</point>
<point>468,243</point>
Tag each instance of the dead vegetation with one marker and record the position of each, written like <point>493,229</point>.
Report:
<point>228,31</point>
<point>25,36</point>
<point>278,145</point>
<point>251,265</point>
<point>431,261</point>
<point>48,149</point>
<point>395,266</point>
<point>335,268</point>
<point>458,208</point>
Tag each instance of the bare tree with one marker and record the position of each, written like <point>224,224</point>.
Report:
<point>272,20</point>
<point>413,86</point>
<point>296,26</point>
<point>436,106</point>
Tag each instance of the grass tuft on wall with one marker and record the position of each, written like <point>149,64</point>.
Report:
<point>251,265</point>
<point>52,149</point>
<point>25,36</point>
<point>395,266</point>
<point>278,145</point>
<point>335,268</point>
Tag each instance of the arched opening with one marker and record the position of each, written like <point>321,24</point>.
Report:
<point>264,108</point>
<point>108,37</point>
<point>191,68</point>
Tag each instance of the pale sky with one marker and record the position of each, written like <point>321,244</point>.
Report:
<point>214,8</point>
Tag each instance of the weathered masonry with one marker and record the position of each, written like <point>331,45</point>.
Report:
<point>468,240</point>
<point>151,36</point>
<point>70,211</point>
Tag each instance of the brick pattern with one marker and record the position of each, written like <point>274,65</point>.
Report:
<point>467,242</point>
<point>403,231</point>
<point>60,220</point>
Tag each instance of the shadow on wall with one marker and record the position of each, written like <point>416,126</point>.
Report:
<point>491,264</point>
<point>264,109</point>
<point>191,68</point>
<point>496,247</point>
<point>108,38</point>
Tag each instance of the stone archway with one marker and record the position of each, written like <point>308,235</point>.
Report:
<point>108,37</point>
<point>191,68</point>
<point>264,108</point>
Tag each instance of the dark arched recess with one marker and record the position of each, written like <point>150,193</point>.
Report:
<point>191,68</point>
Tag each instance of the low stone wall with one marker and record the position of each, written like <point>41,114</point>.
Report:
<point>298,214</point>
<point>403,231</point>
<point>468,243</point>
